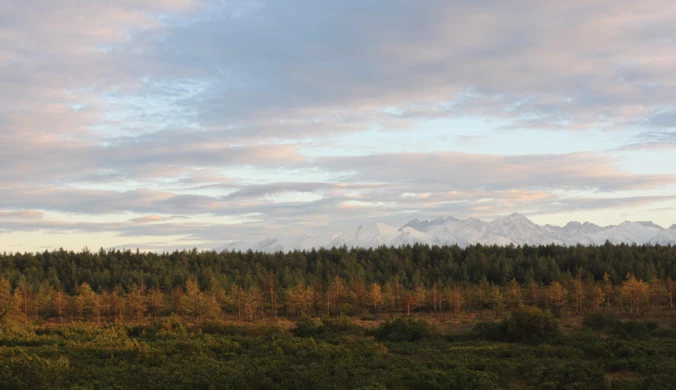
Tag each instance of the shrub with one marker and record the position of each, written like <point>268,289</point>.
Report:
<point>572,376</point>
<point>628,330</point>
<point>306,327</point>
<point>599,321</point>
<point>527,324</point>
<point>404,329</point>
<point>341,324</point>
<point>633,330</point>
<point>531,324</point>
<point>492,331</point>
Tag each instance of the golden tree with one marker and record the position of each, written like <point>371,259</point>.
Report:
<point>193,301</point>
<point>136,302</point>
<point>497,300</point>
<point>59,303</point>
<point>298,298</point>
<point>596,297</point>
<point>635,292</point>
<point>389,297</point>
<point>557,295</point>
<point>514,294</point>
<point>375,296</point>
<point>156,302</point>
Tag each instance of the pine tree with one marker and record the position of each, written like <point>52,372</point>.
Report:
<point>670,288</point>
<point>44,299</point>
<point>6,304</point>
<point>578,291</point>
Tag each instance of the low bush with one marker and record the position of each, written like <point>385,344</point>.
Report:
<point>531,324</point>
<point>627,330</point>
<point>599,321</point>
<point>307,327</point>
<point>492,331</point>
<point>404,329</point>
<point>341,324</point>
<point>572,376</point>
<point>633,330</point>
<point>527,324</point>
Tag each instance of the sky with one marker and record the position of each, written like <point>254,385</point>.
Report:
<point>170,124</point>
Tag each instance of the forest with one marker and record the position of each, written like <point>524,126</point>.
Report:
<point>484,317</point>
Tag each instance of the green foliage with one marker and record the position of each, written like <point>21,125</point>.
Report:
<point>21,370</point>
<point>328,329</point>
<point>404,329</point>
<point>226,356</point>
<point>633,329</point>
<point>413,265</point>
<point>572,376</point>
<point>492,331</point>
<point>306,327</point>
<point>531,324</point>
<point>623,330</point>
<point>599,321</point>
<point>182,340</point>
<point>342,324</point>
<point>526,324</point>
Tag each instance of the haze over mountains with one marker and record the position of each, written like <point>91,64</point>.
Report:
<point>513,229</point>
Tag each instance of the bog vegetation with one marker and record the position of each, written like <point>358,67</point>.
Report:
<point>360,318</point>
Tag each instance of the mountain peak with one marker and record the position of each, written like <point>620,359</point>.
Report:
<point>673,227</point>
<point>650,224</point>
<point>426,224</point>
<point>515,217</point>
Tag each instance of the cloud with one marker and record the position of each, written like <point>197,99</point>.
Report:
<point>572,65</point>
<point>156,218</point>
<point>587,203</point>
<point>24,214</point>
<point>242,108</point>
<point>665,139</point>
<point>462,171</point>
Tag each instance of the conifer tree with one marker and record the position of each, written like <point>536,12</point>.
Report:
<point>6,303</point>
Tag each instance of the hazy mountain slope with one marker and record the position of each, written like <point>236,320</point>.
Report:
<point>627,232</point>
<point>520,230</point>
<point>367,236</point>
<point>512,229</point>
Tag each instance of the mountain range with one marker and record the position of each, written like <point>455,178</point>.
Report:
<point>512,229</point>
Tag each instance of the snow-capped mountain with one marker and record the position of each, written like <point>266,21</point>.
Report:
<point>366,236</point>
<point>627,232</point>
<point>519,229</point>
<point>573,230</point>
<point>512,229</point>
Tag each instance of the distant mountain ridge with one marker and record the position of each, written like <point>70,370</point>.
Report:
<point>512,229</point>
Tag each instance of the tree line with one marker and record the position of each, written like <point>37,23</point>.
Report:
<point>114,285</point>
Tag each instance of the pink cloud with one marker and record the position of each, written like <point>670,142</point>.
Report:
<point>24,214</point>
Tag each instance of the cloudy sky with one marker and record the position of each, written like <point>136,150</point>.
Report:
<point>164,124</point>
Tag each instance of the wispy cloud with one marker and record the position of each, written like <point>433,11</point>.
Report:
<point>230,109</point>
